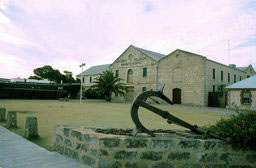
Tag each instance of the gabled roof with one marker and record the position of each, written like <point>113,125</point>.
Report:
<point>249,83</point>
<point>95,70</point>
<point>154,55</point>
<point>242,68</point>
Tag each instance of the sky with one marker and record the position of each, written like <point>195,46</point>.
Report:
<point>67,33</point>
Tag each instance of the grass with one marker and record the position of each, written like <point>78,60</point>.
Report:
<point>95,114</point>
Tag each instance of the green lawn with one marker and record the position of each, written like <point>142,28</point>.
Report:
<point>95,114</point>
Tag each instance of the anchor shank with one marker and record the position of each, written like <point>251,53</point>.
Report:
<point>154,109</point>
<point>170,117</point>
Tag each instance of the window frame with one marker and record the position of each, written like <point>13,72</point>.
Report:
<point>145,72</point>
<point>117,73</point>
<point>144,88</point>
<point>213,74</point>
<point>248,98</point>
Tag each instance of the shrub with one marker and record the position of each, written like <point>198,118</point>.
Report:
<point>241,128</point>
<point>92,94</point>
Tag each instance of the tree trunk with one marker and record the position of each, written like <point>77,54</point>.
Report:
<point>108,97</point>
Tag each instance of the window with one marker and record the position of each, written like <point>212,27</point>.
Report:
<point>117,73</point>
<point>213,73</point>
<point>228,77</point>
<point>144,72</point>
<point>213,88</point>
<point>240,78</point>
<point>144,89</point>
<point>90,79</point>
<point>246,96</point>
<point>83,79</point>
<point>130,76</point>
<point>234,78</point>
<point>221,75</point>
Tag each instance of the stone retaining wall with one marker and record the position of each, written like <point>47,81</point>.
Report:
<point>163,151</point>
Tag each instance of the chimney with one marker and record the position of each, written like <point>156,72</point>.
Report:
<point>232,65</point>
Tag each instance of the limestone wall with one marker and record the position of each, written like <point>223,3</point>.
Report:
<point>210,82</point>
<point>184,71</point>
<point>135,60</point>
<point>163,151</point>
<point>86,84</point>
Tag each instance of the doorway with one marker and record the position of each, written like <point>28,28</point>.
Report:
<point>176,96</point>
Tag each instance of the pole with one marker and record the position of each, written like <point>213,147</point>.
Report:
<point>228,54</point>
<point>81,88</point>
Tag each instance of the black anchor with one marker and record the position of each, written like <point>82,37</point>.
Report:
<point>140,100</point>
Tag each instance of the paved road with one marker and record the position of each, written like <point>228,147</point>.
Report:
<point>17,152</point>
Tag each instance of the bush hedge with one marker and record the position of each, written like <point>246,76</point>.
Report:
<point>241,128</point>
<point>92,94</point>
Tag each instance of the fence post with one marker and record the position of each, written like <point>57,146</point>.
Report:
<point>2,114</point>
<point>31,130</point>
<point>11,119</point>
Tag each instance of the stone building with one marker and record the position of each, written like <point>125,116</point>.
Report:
<point>90,74</point>
<point>242,95</point>
<point>189,78</point>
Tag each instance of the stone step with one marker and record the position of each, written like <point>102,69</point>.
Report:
<point>17,152</point>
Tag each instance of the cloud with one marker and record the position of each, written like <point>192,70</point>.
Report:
<point>64,34</point>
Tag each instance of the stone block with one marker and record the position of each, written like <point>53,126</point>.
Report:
<point>92,140</point>
<point>59,148</point>
<point>189,166</point>
<point>76,134</point>
<point>189,144</point>
<point>82,147</point>
<point>210,145</point>
<point>109,164</point>
<point>125,155</point>
<point>162,165</point>
<point>31,129</point>
<point>216,166</point>
<point>2,114</point>
<point>178,156</point>
<point>66,131</point>
<point>162,144</point>
<point>231,158</point>
<point>68,143</point>
<point>70,153</point>
<point>98,153</point>
<point>151,155</point>
<point>135,143</point>
<point>136,165</point>
<point>110,142</point>
<point>11,119</point>
<point>88,160</point>
<point>206,157</point>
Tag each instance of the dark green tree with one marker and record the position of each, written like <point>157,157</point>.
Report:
<point>107,84</point>
<point>47,72</point>
<point>35,77</point>
<point>68,77</point>
<point>54,75</point>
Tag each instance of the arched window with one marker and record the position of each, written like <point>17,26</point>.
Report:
<point>130,76</point>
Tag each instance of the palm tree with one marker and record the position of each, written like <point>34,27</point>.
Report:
<point>107,84</point>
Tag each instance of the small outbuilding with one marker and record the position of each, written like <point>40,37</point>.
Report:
<point>242,95</point>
